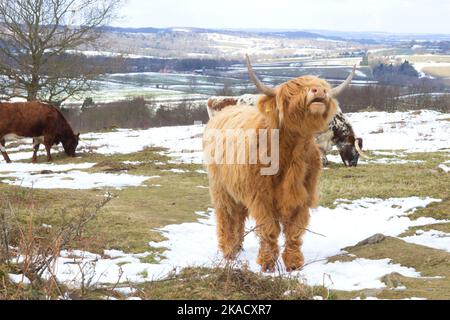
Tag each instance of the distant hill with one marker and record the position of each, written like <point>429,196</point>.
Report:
<point>135,30</point>
<point>270,33</point>
<point>356,36</point>
<point>232,44</point>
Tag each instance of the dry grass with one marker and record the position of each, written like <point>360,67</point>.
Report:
<point>428,58</point>
<point>387,181</point>
<point>30,249</point>
<point>439,72</point>
<point>228,283</point>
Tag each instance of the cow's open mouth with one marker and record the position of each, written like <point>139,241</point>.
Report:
<point>318,106</point>
<point>319,101</point>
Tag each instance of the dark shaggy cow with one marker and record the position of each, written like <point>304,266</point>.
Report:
<point>42,122</point>
<point>340,133</point>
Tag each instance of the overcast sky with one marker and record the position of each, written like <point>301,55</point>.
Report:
<point>401,16</point>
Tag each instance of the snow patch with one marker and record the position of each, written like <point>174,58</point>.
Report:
<point>184,143</point>
<point>423,131</point>
<point>433,239</point>
<point>176,171</point>
<point>444,167</point>
<point>356,275</point>
<point>77,180</point>
<point>19,279</point>
<point>67,176</point>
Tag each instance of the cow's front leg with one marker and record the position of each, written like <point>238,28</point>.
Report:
<point>3,151</point>
<point>268,230</point>
<point>48,142</point>
<point>295,227</point>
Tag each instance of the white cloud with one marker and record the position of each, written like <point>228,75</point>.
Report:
<point>403,16</point>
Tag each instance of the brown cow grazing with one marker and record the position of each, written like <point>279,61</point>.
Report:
<point>298,110</point>
<point>42,122</point>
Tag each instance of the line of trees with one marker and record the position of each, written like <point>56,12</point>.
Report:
<point>136,113</point>
<point>395,74</point>
<point>392,98</point>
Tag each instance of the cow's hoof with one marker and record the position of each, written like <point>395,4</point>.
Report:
<point>294,262</point>
<point>294,268</point>
<point>267,266</point>
<point>268,269</point>
<point>231,256</point>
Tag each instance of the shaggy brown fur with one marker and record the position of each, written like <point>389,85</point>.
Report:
<point>222,104</point>
<point>276,202</point>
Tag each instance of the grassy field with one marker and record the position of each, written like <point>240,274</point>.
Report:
<point>440,72</point>
<point>429,58</point>
<point>129,222</point>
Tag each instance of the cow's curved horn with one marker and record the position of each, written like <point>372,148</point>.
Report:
<point>360,152</point>
<point>271,92</point>
<point>338,90</point>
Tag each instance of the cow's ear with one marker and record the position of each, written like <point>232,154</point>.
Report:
<point>351,140</point>
<point>268,107</point>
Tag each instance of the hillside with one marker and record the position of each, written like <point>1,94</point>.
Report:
<point>211,43</point>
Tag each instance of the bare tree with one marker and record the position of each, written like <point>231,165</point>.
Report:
<point>37,40</point>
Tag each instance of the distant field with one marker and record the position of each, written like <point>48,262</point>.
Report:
<point>434,65</point>
<point>429,58</point>
<point>171,85</point>
<point>441,72</point>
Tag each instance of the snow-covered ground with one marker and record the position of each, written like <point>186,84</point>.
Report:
<point>183,143</point>
<point>422,131</point>
<point>74,180</point>
<point>51,176</point>
<point>387,134</point>
<point>346,225</point>
<point>233,45</point>
<point>434,239</point>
